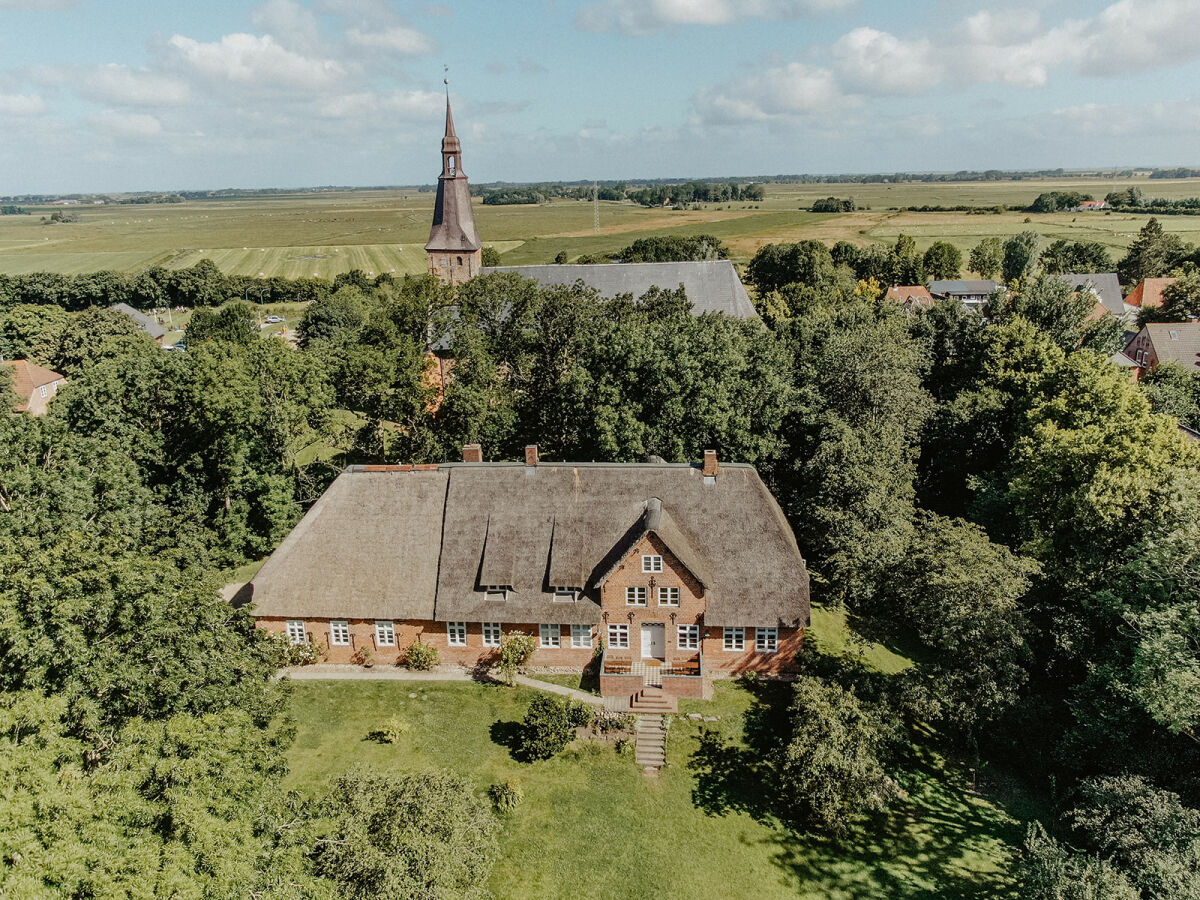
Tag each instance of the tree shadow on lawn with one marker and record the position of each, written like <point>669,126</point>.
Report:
<point>508,736</point>
<point>926,846</point>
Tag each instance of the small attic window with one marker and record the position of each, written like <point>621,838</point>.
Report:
<point>565,595</point>
<point>652,563</point>
<point>1174,335</point>
<point>495,593</point>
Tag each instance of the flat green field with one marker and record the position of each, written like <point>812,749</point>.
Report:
<point>592,825</point>
<point>384,231</point>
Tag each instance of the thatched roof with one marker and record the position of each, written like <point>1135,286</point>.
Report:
<point>367,549</point>
<point>532,529</point>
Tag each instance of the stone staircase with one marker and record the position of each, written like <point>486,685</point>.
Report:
<point>651,741</point>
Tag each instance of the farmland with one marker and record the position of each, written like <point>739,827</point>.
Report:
<point>379,231</point>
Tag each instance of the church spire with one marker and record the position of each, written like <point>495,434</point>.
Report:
<point>453,248</point>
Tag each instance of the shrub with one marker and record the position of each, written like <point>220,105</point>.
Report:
<point>546,729</point>
<point>391,731</point>
<point>421,657</point>
<point>579,715</point>
<point>364,656</point>
<point>506,795</point>
<point>515,650</point>
<point>608,721</point>
<point>624,746</point>
<point>302,654</point>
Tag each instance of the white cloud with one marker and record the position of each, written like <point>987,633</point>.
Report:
<point>880,63</point>
<point>290,23</point>
<point>258,61</point>
<point>642,17</point>
<point>398,39</point>
<point>1140,33</point>
<point>792,89</point>
<point>1001,27</point>
<point>115,123</point>
<point>21,105</point>
<point>416,105</point>
<point>122,86</point>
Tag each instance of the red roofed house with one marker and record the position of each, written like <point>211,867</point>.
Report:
<point>34,384</point>
<point>910,296</point>
<point>1160,342</point>
<point>1149,292</point>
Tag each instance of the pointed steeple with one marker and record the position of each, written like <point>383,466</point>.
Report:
<point>453,248</point>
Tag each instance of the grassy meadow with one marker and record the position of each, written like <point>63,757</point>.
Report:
<point>378,231</point>
<point>592,825</point>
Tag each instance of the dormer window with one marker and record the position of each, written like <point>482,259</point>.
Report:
<point>495,593</point>
<point>564,595</point>
<point>652,563</point>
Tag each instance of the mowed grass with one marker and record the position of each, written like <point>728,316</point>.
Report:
<point>329,232</point>
<point>592,825</point>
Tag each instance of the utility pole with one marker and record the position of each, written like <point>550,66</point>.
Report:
<point>596,207</point>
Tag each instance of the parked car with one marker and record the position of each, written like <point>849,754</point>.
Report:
<point>275,320</point>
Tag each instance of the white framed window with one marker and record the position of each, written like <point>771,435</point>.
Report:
<point>766,640</point>
<point>735,639</point>
<point>339,633</point>
<point>456,634</point>
<point>668,596</point>
<point>581,636</point>
<point>551,636</point>
<point>618,637</point>
<point>652,562</point>
<point>688,637</point>
<point>295,631</point>
<point>42,390</point>
<point>496,594</point>
<point>564,595</point>
<point>491,634</point>
<point>635,596</point>
<point>385,634</point>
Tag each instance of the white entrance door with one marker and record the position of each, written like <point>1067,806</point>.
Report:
<point>654,641</point>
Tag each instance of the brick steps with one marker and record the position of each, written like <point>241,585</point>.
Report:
<point>651,741</point>
<point>651,699</point>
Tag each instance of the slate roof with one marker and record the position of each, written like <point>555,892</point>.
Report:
<point>143,321</point>
<point>424,544</point>
<point>958,287</point>
<point>1105,285</point>
<point>1177,342</point>
<point>710,285</point>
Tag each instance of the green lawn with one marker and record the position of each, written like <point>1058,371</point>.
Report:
<point>592,825</point>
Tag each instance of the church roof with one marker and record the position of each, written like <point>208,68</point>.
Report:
<point>453,219</point>
<point>710,285</point>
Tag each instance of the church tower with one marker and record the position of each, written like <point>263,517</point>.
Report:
<point>454,251</point>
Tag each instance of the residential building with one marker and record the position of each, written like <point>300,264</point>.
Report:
<point>660,574</point>
<point>454,251</point>
<point>148,324</point>
<point>710,285</point>
<point>1106,288</point>
<point>35,385</point>
<point>1160,342</point>
<point>1148,293</point>
<point>910,295</point>
<point>1091,206</point>
<point>974,295</point>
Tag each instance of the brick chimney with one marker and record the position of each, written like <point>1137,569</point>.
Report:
<point>472,453</point>
<point>710,463</point>
<point>531,455</point>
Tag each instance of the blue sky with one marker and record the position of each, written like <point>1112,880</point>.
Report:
<point>112,95</point>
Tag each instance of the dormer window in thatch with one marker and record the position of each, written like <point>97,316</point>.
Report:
<point>565,595</point>
<point>495,593</point>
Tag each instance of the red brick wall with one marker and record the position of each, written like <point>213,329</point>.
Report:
<point>629,574</point>
<point>362,633</point>
<point>720,662</point>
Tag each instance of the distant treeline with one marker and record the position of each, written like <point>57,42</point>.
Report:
<point>200,285</point>
<point>832,205</point>
<point>13,211</point>
<point>1175,173</point>
<point>697,192</point>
